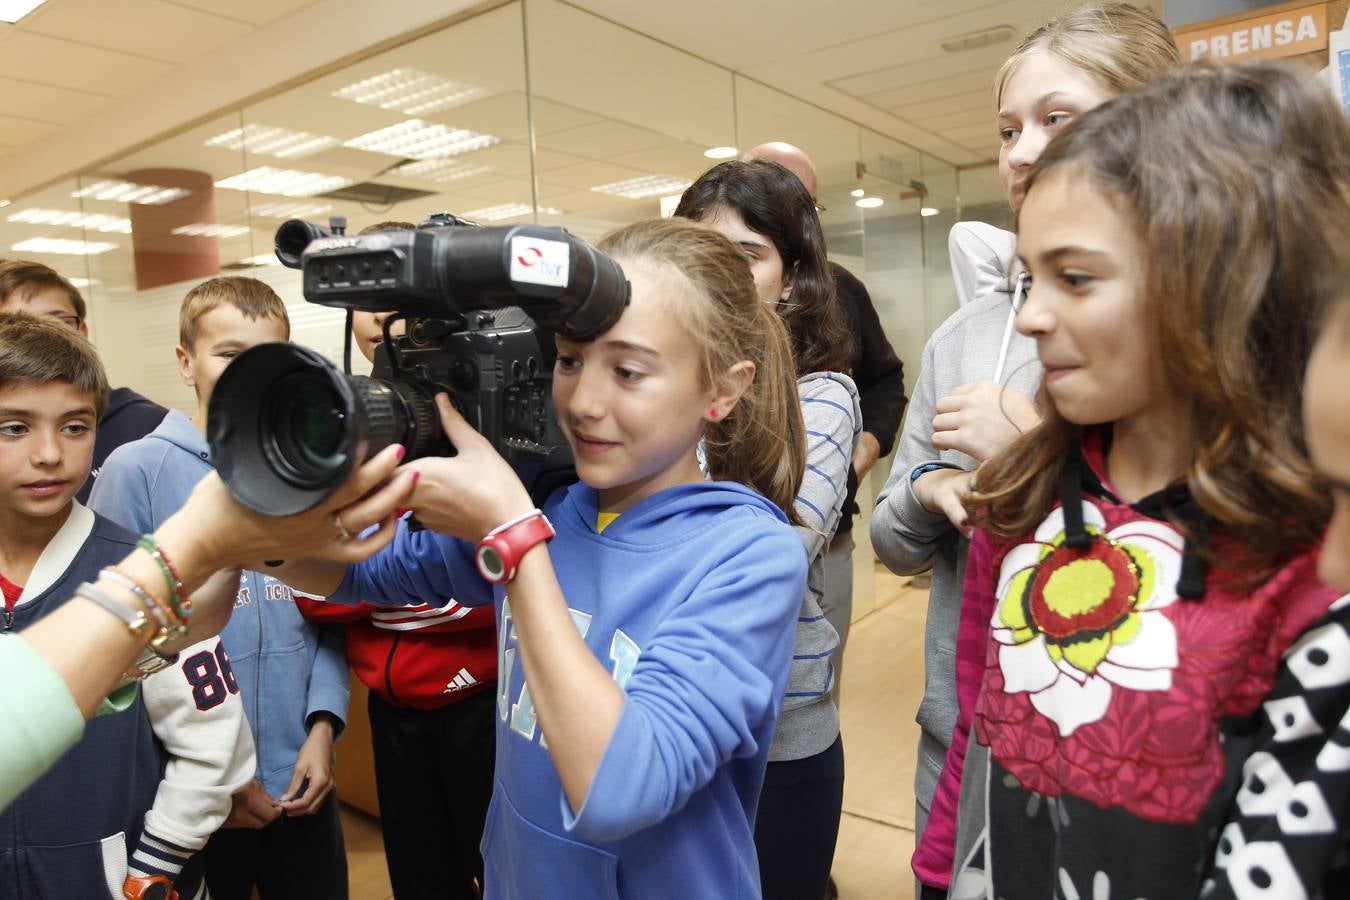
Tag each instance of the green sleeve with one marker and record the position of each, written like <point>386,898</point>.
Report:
<point>39,721</point>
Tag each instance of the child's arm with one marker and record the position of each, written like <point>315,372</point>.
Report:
<point>325,717</point>
<point>1293,826</point>
<point>196,713</point>
<point>833,423</point>
<point>905,534</point>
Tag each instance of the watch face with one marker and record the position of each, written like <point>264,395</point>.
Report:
<point>157,891</point>
<point>490,563</point>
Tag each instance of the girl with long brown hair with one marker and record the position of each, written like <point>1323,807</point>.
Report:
<point>1161,662</point>
<point>768,213</point>
<point>974,391</point>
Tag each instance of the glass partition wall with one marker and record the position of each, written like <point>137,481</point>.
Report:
<point>529,111</point>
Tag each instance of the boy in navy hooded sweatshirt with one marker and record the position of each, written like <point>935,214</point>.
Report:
<point>283,834</point>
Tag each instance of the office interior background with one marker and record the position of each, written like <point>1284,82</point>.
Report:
<point>147,144</point>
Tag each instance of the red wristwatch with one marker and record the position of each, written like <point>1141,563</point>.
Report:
<point>501,549</point>
<point>151,887</point>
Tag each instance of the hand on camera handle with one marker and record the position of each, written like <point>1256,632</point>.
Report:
<point>469,494</point>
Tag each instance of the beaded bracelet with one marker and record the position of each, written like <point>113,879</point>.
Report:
<point>169,629</point>
<point>181,602</point>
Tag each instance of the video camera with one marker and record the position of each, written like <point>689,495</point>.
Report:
<point>286,427</point>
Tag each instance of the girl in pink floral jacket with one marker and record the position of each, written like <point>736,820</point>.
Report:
<point>1163,681</point>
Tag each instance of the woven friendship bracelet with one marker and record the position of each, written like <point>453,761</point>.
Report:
<point>181,603</point>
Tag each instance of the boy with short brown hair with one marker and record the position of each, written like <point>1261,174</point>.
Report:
<point>159,766</point>
<point>284,834</point>
<point>31,287</point>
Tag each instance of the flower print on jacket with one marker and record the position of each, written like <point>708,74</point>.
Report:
<point>1074,626</point>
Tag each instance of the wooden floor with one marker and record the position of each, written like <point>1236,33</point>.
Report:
<point>883,682</point>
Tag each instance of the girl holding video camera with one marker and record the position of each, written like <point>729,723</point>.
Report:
<point>645,615</point>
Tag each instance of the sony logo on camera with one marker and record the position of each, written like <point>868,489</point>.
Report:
<point>336,242</point>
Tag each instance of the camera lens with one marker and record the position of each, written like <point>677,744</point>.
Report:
<point>305,426</point>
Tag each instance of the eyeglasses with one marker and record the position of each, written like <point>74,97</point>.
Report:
<point>67,320</point>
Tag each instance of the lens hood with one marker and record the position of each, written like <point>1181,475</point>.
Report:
<point>283,430</point>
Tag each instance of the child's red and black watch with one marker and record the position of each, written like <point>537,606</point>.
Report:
<point>500,551</point>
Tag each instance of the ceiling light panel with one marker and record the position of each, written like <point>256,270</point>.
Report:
<point>441,170</point>
<point>411,92</point>
<point>93,221</point>
<point>14,10</point>
<point>63,247</point>
<point>422,140</point>
<point>262,259</point>
<point>507,211</point>
<point>646,186</point>
<point>115,191</point>
<point>290,210</point>
<point>286,182</point>
<point>203,229</point>
<point>266,140</point>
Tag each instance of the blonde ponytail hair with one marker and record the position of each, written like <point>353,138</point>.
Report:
<point>1123,47</point>
<point>762,442</point>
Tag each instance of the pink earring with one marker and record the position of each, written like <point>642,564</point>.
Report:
<point>712,413</point>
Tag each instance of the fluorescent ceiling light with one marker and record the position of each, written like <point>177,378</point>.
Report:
<point>410,91</point>
<point>203,229</point>
<point>720,152</point>
<point>267,140</point>
<point>4,203</point>
<point>669,204</point>
<point>507,211</point>
<point>857,192</point>
<point>646,186</point>
<point>115,191</point>
<point>929,211</point>
<point>290,210</point>
<point>14,10</point>
<point>63,247</point>
<point>869,202</point>
<point>286,182</point>
<point>84,282</point>
<point>95,221</point>
<point>439,170</point>
<point>422,140</point>
<point>262,259</point>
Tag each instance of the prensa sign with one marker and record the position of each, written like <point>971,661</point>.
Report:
<point>1289,29</point>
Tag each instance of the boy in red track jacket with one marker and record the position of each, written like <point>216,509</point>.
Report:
<point>432,674</point>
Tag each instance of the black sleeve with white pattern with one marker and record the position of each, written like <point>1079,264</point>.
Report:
<point>1285,833</point>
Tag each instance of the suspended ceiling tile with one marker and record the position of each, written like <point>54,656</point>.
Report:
<point>255,12</point>
<point>77,66</point>
<point>984,61</point>
<point>23,131</point>
<point>603,140</point>
<point>935,89</point>
<point>592,174</point>
<point>678,158</point>
<point>968,118</point>
<point>970,101</point>
<point>148,28</point>
<point>42,101</point>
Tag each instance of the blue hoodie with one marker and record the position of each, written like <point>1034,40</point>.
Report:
<point>690,598</point>
<point>287,669</point>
